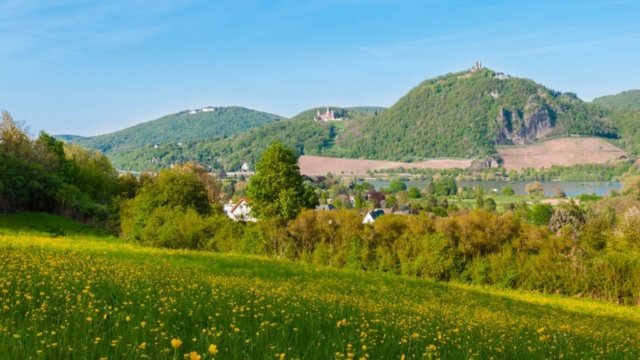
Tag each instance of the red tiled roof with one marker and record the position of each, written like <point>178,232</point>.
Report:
<point>238,204</point>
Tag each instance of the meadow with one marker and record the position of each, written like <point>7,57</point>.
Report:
<point>68,291</point>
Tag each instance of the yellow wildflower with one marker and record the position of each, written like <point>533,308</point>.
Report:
<point>176,343</point>
<point>194,356</point>
<point>213,349</point>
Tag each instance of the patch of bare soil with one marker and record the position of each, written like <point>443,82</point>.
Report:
<point>321,165</point>
<point>565,152</point>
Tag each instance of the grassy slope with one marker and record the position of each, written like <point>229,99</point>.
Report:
<point>93,296</point>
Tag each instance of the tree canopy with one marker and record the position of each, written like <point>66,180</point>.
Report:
<point>277,190</point>
<point>45,175</point>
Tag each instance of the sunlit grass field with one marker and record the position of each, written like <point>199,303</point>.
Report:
<point>67,291</point>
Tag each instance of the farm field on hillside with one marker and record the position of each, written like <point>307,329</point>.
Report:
<point>74,294</point>
<point>321,165</point>
<point>563,152</point>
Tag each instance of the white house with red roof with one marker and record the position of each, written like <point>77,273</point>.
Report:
<point>240,211</point>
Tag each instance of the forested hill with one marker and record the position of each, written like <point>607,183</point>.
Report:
<point>466,114</point>
<point>625,108</point>
<point>626,100</point>
<point>301,132</point>
<point>182,127</point>
<point>305,136</point>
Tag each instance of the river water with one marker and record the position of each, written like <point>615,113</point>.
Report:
<point>571,188</point>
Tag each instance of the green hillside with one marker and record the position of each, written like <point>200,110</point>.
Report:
<point>466,114</point>
<point>628,124</point>
<point>626,100</point>
<point>84,296</point>
<point>301,132</point>
<point>306,136</point>
<point>180,127</point>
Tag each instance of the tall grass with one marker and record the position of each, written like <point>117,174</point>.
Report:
<point>88,297</point>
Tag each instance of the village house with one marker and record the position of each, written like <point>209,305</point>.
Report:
<point>240,211</point>
<point>374,214</point>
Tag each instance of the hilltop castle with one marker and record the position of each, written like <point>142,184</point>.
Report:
<point>476,67</point>
<point>329,115</point>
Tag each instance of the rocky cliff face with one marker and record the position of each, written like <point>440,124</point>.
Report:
<point>521,126</point>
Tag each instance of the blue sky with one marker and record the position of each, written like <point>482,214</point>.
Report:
<point>89,67</point>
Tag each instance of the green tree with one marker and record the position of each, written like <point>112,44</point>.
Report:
<point>490,205</point>
<point>445,186</point>
<point>163,199</point>
<point>540,214</point>
<point>479,197</point>
<point>414,193</point>
<point>508,191</point>
<point>397,185</point>
<point>277,190</point>
<point>430,189</point>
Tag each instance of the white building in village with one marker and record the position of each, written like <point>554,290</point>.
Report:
<point>372,215</point>
<point>240,211</point>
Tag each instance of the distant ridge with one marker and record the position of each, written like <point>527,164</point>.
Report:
<point>181,127</point>
<point>626,100</point>
<point>301,132</point>
<point>467,115</point>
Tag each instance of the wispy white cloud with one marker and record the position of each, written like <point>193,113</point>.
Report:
<point>392,49</point>
<point>547,49</point>
<point>576,45</point>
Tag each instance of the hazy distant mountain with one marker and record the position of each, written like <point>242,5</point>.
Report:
<point>182,127</point>
<point>70,138</point>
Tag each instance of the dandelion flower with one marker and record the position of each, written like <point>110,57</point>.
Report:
<point>176,343</point>
<point>213,349</point>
